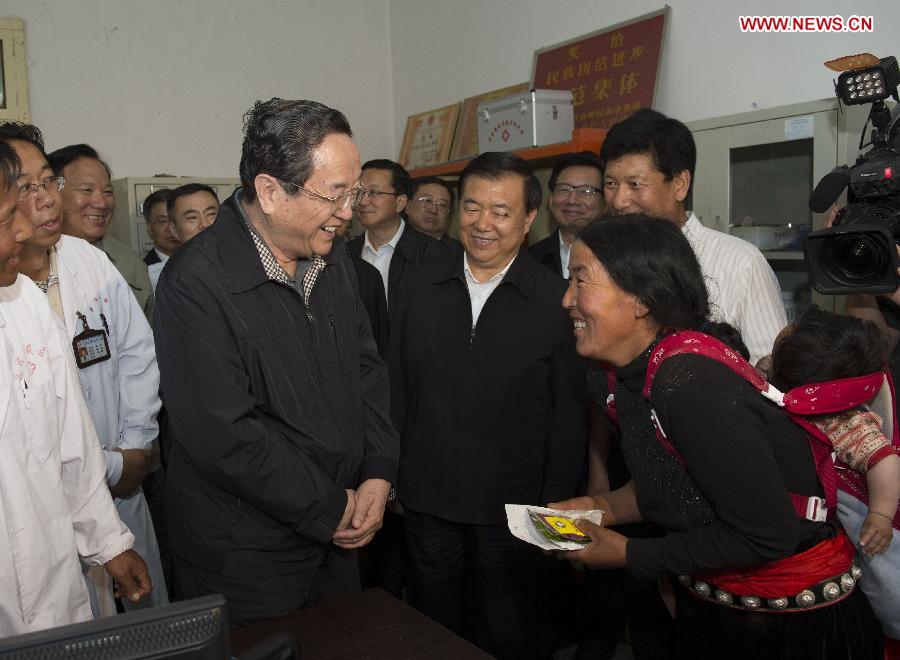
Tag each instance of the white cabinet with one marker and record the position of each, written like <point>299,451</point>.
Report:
<point>755,172</point>
<point>128,224</point>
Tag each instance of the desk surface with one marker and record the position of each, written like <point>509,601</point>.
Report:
<point>371,625</point>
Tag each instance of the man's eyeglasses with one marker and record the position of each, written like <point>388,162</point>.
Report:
<point>582,192</point>
<point>340,202</point>
<point>160,222</point>
<point>31,189</point>
<point>373,194</point>
<point>440,206</point>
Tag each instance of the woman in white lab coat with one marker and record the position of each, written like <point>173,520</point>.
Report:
<point>122,393</point>
<point>54,505</point>
<point>110,342</point>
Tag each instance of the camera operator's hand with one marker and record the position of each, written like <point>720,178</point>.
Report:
<point>832,214</point>
<point>865,306</point>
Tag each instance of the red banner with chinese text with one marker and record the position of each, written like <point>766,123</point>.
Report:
<point>611,74</point>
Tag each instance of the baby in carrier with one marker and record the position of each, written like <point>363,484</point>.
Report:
<point>821,347</point>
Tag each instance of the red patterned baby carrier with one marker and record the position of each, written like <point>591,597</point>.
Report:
<point>814,399</point>
<point>823,574</point>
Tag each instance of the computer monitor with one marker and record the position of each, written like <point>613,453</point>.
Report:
<point>190,630</point>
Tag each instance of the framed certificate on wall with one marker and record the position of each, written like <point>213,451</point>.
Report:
<point>428,136</point>
<point>13,73</point>
<point>611,72</point>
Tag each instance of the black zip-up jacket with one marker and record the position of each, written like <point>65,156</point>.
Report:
<point>371,292</point>
<point>546,252</point>
<point>273,414</point>
<point>493,414</point>
<point>414,250</point>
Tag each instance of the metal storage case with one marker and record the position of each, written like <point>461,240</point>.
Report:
<point>530,119</point>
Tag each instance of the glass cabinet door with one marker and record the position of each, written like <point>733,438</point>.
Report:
<point>760,177</point>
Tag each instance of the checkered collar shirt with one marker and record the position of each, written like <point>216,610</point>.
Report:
<point>270,264</point>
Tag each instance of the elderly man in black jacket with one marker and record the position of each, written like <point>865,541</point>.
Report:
<point>489,392</point>
<point>283,453</point>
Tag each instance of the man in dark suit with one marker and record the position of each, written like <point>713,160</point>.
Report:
<point>389,243</point>
<point>576,200</point>
<point>488,394</point>
<point>397,251</point>
<point>159,227</point>
<point>430,208</point>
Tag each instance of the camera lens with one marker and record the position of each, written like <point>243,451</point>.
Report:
<point>856,260</point>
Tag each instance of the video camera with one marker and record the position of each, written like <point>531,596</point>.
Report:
<point>858,253</point>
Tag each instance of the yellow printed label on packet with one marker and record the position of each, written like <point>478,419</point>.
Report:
<point>564,525</point>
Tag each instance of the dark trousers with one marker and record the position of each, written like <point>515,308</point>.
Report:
<point>154,489</point>
<point>601,614</point>
<point>650,626</point>
<point>383,562</point>
<point>252,599</point>
<point>482,583</point>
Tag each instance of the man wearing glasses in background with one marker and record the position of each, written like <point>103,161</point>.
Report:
<point>576,200</point>
<point>394,248</point>
<point>430,204</point>
<point>283,452</point>
<point>159,227</point>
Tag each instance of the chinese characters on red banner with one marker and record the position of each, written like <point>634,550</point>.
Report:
<point>611,74</point>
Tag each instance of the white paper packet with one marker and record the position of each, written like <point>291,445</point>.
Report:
<point>521,526</point>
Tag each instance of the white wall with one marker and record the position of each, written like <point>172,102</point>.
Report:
<point>443,51</point>
<point>161,86</point>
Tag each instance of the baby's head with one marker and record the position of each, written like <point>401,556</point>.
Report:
<point>821,346</point>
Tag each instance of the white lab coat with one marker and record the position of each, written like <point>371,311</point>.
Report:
<point>54,503</point>
<point>122,393</point>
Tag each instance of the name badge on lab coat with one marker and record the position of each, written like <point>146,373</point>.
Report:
<point>90,346</point>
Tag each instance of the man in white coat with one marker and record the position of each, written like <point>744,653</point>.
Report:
<point>112,346</point>
<point>54,505</point>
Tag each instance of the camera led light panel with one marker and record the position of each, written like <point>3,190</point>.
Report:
<point>865,87</point>
<point>869,84</point>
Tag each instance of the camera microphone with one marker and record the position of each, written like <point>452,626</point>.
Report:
<point>829,189</point>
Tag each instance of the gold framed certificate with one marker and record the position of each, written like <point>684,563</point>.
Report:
<point>13,73</point>
<point>428,137</point>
